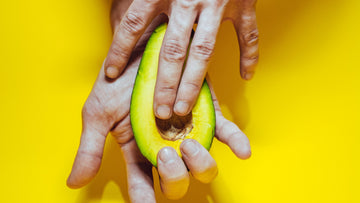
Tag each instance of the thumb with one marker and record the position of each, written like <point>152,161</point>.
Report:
<point>90,152</point>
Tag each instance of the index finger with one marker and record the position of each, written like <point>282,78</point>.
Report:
<point>201,50</point>
<point>89,155</point>
<point>132,26</point>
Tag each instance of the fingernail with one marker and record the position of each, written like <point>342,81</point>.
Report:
<point>189,148</point>
<point>112,72</point>
<point>248,75</point>
<point>163,112</point>
<point>181,107</point>
<point>167,155</point>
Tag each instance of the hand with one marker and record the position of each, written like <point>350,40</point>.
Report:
<point>182,16</point>
<point>107,110</point>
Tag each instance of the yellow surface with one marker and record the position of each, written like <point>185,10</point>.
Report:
<point>301,111</point>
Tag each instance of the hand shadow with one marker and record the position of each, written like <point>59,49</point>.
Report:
<point>224,73</point>
<point>275,19</point>
<point>112,170</point>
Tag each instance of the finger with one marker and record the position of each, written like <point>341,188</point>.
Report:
<point>139,174</point>
<point>201,50</point>
<point>202,166</point>
<point>248,38</point>
<point>228,132</point>
<point>172,57</point>
<point>174,177</point>
<point>132,26</point>
<point>88,158</point>
<point>140,183</point>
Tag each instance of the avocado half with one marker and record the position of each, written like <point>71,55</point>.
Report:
<point>152,134</point>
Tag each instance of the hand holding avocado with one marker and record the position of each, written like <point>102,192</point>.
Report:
<point>107,110</point>
<point>153,134</point>
<point>173,93</point>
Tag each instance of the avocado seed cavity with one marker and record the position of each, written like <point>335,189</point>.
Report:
<point>177,127</point>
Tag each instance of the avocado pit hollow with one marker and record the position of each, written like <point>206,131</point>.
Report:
<point>176,127</point>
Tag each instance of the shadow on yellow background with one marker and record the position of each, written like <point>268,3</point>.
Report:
<point>301,111</point>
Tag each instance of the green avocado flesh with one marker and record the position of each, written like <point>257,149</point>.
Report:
<point>152,134</point>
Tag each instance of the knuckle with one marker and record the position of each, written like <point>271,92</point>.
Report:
<point>251,38</point>
<point>173,51</point>
<point>250,60</point>
<point>99,108</point>
<point>168,86</point>
<point>123,135</point>
<point>93,156</point>
<point>227,130</point>
<point>97,111</point>
<point>152,2</point>
<point>192,87</point>
<point>188,4</point>
<point>204,50</point>
<point>133,23</point>
<point>117,52</point>
<point>88,111</point>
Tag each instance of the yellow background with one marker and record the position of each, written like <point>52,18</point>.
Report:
<point>301,111</point>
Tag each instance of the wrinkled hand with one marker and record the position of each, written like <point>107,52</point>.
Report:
<point>107,110</point>
<point>171,95</point>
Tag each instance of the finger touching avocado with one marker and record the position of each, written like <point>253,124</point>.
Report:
<point>152,134</point>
